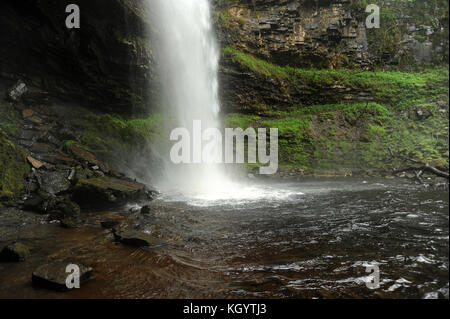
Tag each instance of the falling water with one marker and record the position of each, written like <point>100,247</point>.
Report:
<point>188,57</point>
<point>189,61</point>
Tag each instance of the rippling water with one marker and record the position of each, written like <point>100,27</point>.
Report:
<point>311,239</point>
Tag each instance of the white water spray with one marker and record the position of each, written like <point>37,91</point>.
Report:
<point>189,61</point>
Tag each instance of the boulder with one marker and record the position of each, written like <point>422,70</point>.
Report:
<point>53,275</point>
<point>17,91</point>
<point>107,190</point>
<point>137,239</point>
<point>14,252</point>
<point>34,203</point>
<point>64,209</point>
<point>53,182</point>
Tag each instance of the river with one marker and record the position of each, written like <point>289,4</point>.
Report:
<point>310,239</point>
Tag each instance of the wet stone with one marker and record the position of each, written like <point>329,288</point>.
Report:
<point>34,203</point>
<point>138,239</point>
<point>53,275</point>
<point>64,209</point>
<point>42,148</point>
<point>58,158</point>
<point>145,210</point>
<point>71,222</point>
<point>83,155</point>
<point>53,182</point>
<point>109,223</point>
<point>83,173</point>
<point>107,190</point>
<point>27,134</point>
<point>14,252</point>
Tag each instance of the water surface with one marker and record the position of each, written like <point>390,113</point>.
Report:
<point>309,239</point>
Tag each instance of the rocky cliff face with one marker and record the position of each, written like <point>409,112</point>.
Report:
<point>333,33</point>
<point>297,33</point>
<point>329,34</point>
<point>107,63</point>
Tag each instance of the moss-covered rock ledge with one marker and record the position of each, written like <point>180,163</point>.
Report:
<point>341,121</point>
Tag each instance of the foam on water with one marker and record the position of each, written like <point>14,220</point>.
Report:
<point>231,194</point>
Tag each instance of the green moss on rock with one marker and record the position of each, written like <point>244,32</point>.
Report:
<point>352,137</point>
<point>13,168</point>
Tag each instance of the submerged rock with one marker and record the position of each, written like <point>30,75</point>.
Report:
<point>71,222</point>
<point>145,210</point>
<point>53,275</point>
<point>137,239</point>
<point>14,252</point>
<point>109,223</point>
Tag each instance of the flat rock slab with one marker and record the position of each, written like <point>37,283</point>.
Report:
<point>14,253</point>
<point>114,184</point>
<point>84,155</point>
<point>107,190</point>
<point>58,158</point>
<point>42,148</point>
<point>138,239</point>
<point>27,113</point>
<point>36,164</point>
<point>53,275</point>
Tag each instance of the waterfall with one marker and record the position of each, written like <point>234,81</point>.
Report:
<point>188,57</point>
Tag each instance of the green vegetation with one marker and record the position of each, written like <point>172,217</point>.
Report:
<point>107,135</point>
<point>13,163</point>
<point>13,168</point>
<point>392,87</point>
<point>386,42</point>
<point>353,135</point>
<point>223,17</point>
<point>8,118</point>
